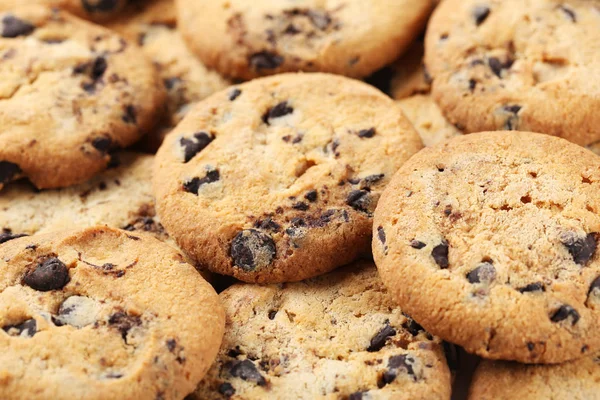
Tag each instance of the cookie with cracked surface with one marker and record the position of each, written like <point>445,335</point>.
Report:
<point>427,119</point>
<point>338,336</point>
<point>575,380</point>
<point>518,65</point>
<point>152,25</point>
<point>489,241</point>
<point>89,9</point>
<point>80,319</point>
<point>72,94</point>
<point>351,37</point>
<point>409,75</point>
<point>276,180</point>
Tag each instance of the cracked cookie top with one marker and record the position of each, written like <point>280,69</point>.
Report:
<point>277,179</point>
<point>85,307</point>
<point>489,241</point>
<point>338,336</point>
<point>347,37</point>
<point>527,65</point>
<point>72,94</point>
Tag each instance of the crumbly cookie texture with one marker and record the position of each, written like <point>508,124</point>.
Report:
<point>277,179</point>
<point>152,24</point>
<point>518,65</point>
<point>102,313</point>
<point>338,336</point>
<point>409,76</point>
<point>89,9</point>
<point>72,93</point>
<point>427,119</point>
<point>489,241</point>
<point>349,37</point>
<point>576,380</point>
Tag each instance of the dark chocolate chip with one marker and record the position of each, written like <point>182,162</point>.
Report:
<point>568,12</point>
<point>92,6</point>
<point>195,145</point>
<point>252,250</point>
<point>6,236</point>
<point>412,326</point>
<point>472,84</point>
<point>497,66</point>
<point>247,371</point>
<point>533,287</point>
<point>582,249</point>
<point>415,244</point>
<point>51,274</point>
<point>234,353</point>
<point>226,389</point>
<point>366,133</point>
<point>356,396</point>
<point>302,206</point>
<point>378,341</point>
<point>565,311</point>
<point>372,179</point>
<point>129,117</point>
<point>268,224</point>
<point>25,329</point>
<point>279,110</point>
<point>265,60</point>
<point>171,344</point>
<point>484,273</point>
<point>396,364</point>
<point>440,254</point>
<point>595,288</point>
<point>272,314</point>
<point>124,322</point>
<point>311,196</point>
<point>102,143</point>
<point>193,186</point>
<point>13,27</point>
<point>98,67</point>
<point>234,94</point>
<point>8,171</point>
<point>513,109</point>
<point>360,200</point>
<point>480,14</point>
<point>381,234</point>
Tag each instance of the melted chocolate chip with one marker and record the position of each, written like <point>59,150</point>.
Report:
<point>565,311</point>
<point>480,14</point>
<point>193,186</point>
<point>311,196</point>
<point>124,322</point>
<point>8,171</point>
<point>13,27</point>
<point>378,341</point>
<point>252,250</point>
<point>366,133</point>
<point>92,6</point>
<point>360,200</point>
<point>582,249</point>
<point>195,145</point>
<point>415,244</point>
<point>265,60</point>
<point>234,94</point>
<point>247,371</point>
<point>51,274</point>
<point>440,254</point>
<point>279,110</point>
<point>102,143</point>
<point>226,389</point>
<point>397,364</point>
<point>381,234</point>
<point>6,236</point>
<point>533,287</point>
<point>484,273</point>
<point>24,329</point>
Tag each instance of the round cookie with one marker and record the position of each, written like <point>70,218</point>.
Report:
<point>276,180</point>
<point>339,336</point>
<point>489,241</point>
<point>518,65</point>
<point>102,313</point>
<point>152,24</point>
<point>73,93</point>
<point>576,380</point>
<point>409,77</point>
<point>350,37</point>
<point>90,9</point>
<point>427,118</point>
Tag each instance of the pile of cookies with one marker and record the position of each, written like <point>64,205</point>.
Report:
<point>210,199</point>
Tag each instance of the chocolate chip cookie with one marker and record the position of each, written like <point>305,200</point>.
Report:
<point>576,380</point>
<point>518,65</point>
<point>102,313</point>
<point>489,241</point>
<point>152,24</point>
<point>339,336</point>
<point>72,94</point>
<point>352,37</point>
<point>277,179</point>
<point>90,9</point>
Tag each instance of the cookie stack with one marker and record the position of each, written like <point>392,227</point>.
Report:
<point>370,239</point>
